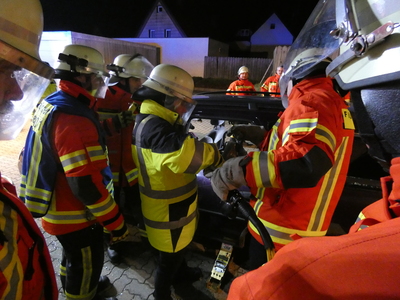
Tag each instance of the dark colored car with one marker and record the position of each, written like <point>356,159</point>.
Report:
<point>215,113</point>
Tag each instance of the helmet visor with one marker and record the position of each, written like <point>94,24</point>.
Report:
<point>99,84</point>
<point>21,91</point>
<point>180,106</point>
<point>314,41</point>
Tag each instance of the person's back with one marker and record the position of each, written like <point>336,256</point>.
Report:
<point>73,193</point>
<point>117,112</point>
<point>357,266</point>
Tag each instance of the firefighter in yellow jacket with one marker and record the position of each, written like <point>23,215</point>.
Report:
<point>169,159</point>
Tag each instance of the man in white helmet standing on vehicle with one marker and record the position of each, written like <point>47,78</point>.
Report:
<point>66,178</point>
<point>169,159</point>
<point>298,176</point>
<point>117,111</point>
<point>358,265</point>
<point>26,270</point>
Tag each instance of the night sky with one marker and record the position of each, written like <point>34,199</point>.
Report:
<point>198,18</point>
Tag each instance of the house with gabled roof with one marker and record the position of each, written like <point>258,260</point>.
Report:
<point>160,23</point>
<point>185,44</point>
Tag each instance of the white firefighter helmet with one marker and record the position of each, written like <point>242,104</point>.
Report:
<point>312,48</point>
<point>177,85</point>
<point>370,43</point>
<point>368,65</point>
<point>243,69</point>
<point>172,81</point>
<point>79,59</point>
<point>127,65</point>
<point>21,26</point>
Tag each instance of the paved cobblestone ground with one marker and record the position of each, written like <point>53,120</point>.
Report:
<point>133,279</point>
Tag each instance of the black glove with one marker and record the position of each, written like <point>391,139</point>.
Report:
<point>228,177</point>
<point>123,119</point>
<point>252,133</point>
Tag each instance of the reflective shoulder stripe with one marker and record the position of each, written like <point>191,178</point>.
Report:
<point>303,125</point>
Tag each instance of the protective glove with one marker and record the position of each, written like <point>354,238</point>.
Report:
<point>228,177</point>
<point>252,133</point>
<point>123,119</point>
<point>119,235</point>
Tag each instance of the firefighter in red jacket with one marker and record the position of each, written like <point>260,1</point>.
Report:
<point>271,84</point>
<point>26,269</point>
<point>242,84</point>
<point>66,176</point>
<point>298,176</point>
<point>128,72</point>
<point>358,265</point>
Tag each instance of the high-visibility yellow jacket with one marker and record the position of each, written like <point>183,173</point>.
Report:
<point>299,176</point>
<point>168,160</point>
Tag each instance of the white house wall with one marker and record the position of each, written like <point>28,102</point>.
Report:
<point>52,44</point>
<point>186,53</point>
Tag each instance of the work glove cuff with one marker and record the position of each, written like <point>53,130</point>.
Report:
<point>228,177</point>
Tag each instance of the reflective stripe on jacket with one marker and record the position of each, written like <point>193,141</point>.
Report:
<point>168,160</point>
<point>26,269</point>
<point>271,85</point>
<point>65,165</point>
<point>119,143</point>
<point>241,85</point>
<point>388,207</point>
<point>299,177</point>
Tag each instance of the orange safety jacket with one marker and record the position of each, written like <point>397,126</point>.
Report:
<point>385,208</point>
<point>119,142</point>
<point>300,173</point>
<point>26,269</point>
<point>82,191</point>
<point>271,85</point>
<point>357,266</point>
<point>363,261</point>
<point>241,85</point>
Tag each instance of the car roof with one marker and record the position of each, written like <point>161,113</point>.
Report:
<point>254,109</point>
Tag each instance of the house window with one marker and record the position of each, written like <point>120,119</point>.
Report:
<point>272,26</point>
<point>167,33</point>
<point>152,33</point>
<point>159,9</point>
